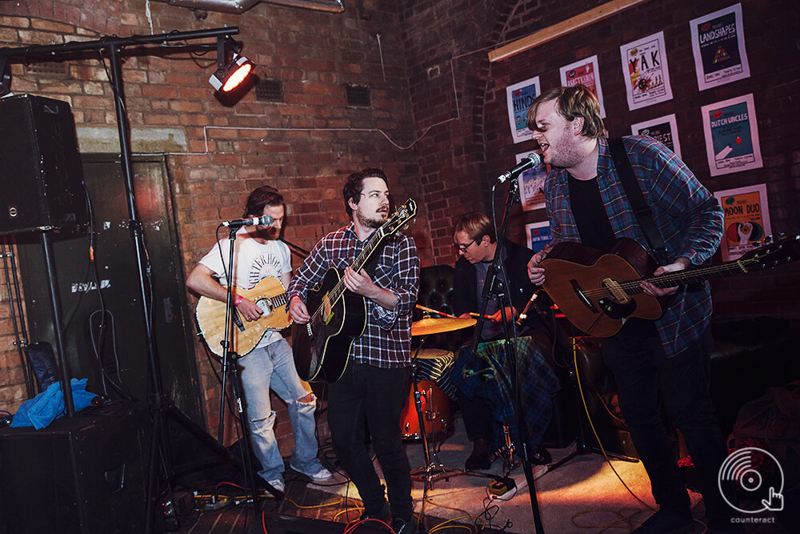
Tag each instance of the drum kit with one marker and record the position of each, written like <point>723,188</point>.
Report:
<point>430,390</point>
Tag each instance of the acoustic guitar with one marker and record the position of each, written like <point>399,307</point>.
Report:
<point>596,289</point>
<point>322,346</point>
<point>268,294</point>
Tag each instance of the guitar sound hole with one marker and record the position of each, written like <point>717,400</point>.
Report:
<point>265,306</point>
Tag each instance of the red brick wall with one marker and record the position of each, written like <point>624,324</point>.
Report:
<point>305,146</point>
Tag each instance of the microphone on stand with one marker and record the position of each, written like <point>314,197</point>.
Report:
<point>531,160</point>
<point>266,220</point>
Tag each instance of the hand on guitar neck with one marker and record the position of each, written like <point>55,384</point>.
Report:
<point>681,264</point>
<point>536,274</point>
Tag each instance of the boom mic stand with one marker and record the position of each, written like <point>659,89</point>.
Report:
<point>492,285</point>
<point>161,404</point>
<point>583,445</point>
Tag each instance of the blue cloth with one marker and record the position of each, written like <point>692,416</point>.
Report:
<point>485,375</point>
<point>48,405</point>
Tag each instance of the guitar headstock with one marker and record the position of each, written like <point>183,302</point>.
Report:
<point>782,251</point>
<point>402,215</point>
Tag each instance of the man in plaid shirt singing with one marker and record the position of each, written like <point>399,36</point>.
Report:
<point>587,203</point>
<point>373,387</point>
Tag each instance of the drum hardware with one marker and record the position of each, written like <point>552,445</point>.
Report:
<point>433,467</point>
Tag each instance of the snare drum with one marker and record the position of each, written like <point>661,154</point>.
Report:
<point>433,369</point>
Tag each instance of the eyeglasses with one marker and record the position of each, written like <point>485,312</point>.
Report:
<point>463,248</point>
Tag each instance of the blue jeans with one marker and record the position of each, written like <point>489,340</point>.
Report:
<point>273,367</point>
<point>367,394</point>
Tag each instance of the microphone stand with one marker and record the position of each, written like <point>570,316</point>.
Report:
<point>493,285</point>
<point>230,361</point>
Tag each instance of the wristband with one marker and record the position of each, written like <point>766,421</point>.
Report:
<point>238,300</point>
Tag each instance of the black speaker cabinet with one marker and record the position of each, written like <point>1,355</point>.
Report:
<point>82,475</point>
<point>41,179</point>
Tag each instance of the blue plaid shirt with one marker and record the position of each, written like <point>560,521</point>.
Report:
<point>387,339</point>
<point>686,213</point>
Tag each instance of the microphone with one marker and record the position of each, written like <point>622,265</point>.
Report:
<point>266,220</point>
<point>532,160</point>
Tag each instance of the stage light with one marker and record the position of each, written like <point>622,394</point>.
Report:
<point>229,74</point>
<point>5,77</point>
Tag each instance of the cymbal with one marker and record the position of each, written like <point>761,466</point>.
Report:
<point>429,325</point>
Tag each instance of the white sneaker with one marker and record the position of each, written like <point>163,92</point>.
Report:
<point>321,475</point>
<point>278,484</point>
<point>318,476</point>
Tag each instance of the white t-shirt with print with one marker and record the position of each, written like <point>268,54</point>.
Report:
<point>252,261</point>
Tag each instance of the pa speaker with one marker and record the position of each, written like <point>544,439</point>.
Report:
<point>83,475</point>
<point>41,178</point>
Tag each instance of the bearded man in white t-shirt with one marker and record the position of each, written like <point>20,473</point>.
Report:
<point>258,252</point>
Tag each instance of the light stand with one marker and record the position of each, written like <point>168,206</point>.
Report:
<point>161,404</point>
<point>493,285</point>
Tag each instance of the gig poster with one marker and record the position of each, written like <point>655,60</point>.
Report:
<point>644,68</point>
<point>664,129</point>
<point>746,220</point>
<point>539,235</point>
<point>584,72</point>
<point>519,98</point>
<point>732,136</point>
<point>531,185</point>
<point>718,46</point>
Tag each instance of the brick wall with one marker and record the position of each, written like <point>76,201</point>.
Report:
<point>306,145</point>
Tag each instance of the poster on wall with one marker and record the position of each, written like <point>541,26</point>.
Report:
<point>519,98</point>
<point>731,135</point>
<point>531,185</point>
<point>664,129</point>
<point>746,220</point>
<point>585,72</point>
<point>539,235</point>
<point>644,67</point>
<point>718,47</point>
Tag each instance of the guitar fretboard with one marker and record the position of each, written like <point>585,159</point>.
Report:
<point>679,278</point>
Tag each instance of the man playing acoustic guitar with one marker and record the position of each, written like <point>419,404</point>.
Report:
<point>373,385</point>
<point>260,253</point>
<point>587,203</point>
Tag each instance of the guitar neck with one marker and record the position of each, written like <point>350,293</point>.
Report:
<point>702,274</point>
<point>361,260</point>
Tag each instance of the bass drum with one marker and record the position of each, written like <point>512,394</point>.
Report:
<point>433,369</point>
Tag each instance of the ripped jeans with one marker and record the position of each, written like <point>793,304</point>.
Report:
<point>273,367</point>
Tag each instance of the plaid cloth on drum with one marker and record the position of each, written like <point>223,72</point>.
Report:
<point>485,374</point>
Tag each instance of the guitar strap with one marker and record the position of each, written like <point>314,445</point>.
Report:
<point>643,213</point>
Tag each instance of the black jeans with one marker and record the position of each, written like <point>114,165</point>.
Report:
<point>376,396</point>
<point>637,359</point>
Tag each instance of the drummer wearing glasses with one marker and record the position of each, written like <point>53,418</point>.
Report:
<point>474,238</point>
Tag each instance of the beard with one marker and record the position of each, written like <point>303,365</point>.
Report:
<point>375,221</point>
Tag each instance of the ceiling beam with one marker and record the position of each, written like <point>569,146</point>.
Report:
<point>562,28</point>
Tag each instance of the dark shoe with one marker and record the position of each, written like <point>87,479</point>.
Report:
<point>384,514</point>
<point>542,457</point>
<point>401,526</point>
<point>478,461</point>
<point>663,522</point>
